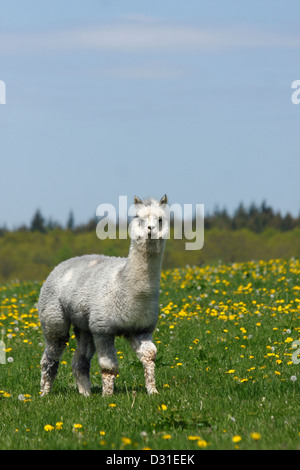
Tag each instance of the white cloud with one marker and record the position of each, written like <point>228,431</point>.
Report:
<point>137,34</point>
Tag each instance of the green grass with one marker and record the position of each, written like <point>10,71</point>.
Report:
<point>224,369</point>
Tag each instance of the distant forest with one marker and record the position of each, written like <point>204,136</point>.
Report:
<point>254,218</point>
<point>251,233</point>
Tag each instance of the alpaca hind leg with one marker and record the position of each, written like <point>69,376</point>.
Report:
<point>50,361</point>
<point>81,362</point>
<point>107,359</point>
<point>146,352</point>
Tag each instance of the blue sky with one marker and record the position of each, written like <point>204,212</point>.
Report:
<point>107,98</point>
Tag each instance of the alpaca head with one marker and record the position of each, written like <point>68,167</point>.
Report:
<point>150,226</point>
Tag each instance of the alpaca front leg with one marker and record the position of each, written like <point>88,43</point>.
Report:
<point>108,363</point>
<point>146,352</point>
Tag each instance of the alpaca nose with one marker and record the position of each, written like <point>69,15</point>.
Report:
<point>150,230</point>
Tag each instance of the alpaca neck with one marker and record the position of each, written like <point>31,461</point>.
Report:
<point>143,268</point>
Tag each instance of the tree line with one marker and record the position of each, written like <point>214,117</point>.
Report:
<point>256,218</point>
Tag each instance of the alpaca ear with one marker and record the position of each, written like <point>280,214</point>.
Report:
<point>137,200</point>
<point>164,200</point>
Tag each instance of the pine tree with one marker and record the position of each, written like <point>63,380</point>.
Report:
<point>38,222</point>
<point>70,221</point>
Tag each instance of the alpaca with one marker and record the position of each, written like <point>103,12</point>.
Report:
<point>103,297</point>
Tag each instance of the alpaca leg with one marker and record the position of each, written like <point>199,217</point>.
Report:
<point>81,362</point>
<point>56,332</point>
<point>50,362</point>
<point>107,359</point>
<point>146,352</point>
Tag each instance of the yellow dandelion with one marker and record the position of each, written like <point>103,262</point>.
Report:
<point>289,340</point>
<point>166,436</point>
<point>163,407</point>
<point>126,440</point>
<point>77,426</point>
<point>48,427</point>
<point>255,435</point>
<point>202,443</point>
<point>236,439</point>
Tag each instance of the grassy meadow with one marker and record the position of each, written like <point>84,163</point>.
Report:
<point>225,372</point>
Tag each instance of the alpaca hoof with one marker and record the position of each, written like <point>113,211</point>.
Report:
<point>85,393</point>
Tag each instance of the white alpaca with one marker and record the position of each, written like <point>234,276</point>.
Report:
<point>103,297</point>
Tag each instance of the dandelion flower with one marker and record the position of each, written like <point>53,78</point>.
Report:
<point>255,435</point>
<point>126,440</point>
<point>166,436</point>
<point>77,426</point>
<point>293,378</point>
<point>236,439</point>
<point>48,427</point>
<point>289,340</point>
<point>202,443</point>
<point>163,407</point>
